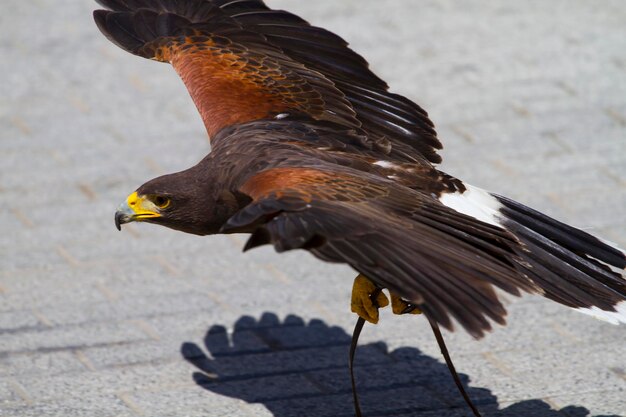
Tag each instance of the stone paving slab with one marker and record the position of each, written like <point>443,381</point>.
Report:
<point>530,101</point>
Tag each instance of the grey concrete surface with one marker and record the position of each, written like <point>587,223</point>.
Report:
<point>530,100</point>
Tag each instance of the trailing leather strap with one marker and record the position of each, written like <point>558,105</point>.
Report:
<point>455,376</point>
<point>355,339</point>
<point>442,346</point>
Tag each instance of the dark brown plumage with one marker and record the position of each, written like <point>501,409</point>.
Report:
<point>302,185</point>
<point>310,151</point>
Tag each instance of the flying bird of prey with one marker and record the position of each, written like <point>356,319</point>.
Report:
<point>311,151</point>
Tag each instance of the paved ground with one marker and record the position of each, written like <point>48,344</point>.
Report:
<point>530,99</point>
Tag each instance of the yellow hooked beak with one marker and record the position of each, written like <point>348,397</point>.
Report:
<point>135,208</point>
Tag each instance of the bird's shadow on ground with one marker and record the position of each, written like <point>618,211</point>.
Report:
<point>298,369</point>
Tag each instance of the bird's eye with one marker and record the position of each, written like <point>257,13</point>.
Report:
<point>162,202</point>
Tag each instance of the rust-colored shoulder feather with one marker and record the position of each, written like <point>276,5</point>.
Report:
<point>392,234</point>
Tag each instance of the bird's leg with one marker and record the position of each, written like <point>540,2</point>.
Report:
<point>401,306</point>
<point>367,299</point>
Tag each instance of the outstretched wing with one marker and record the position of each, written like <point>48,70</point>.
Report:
<point>242,61</point>
<point>444,261</point>
<point>380,111</point>
<point>233,75</point>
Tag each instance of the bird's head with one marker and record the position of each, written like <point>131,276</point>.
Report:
<point>182,201</point>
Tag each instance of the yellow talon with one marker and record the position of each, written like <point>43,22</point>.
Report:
<point>362,303</point>
<point>400,306</point>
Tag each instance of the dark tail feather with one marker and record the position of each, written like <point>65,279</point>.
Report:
<point>558,261</point>
<point>569,265</point>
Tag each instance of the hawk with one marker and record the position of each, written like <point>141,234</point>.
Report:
<point>310,150</point>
